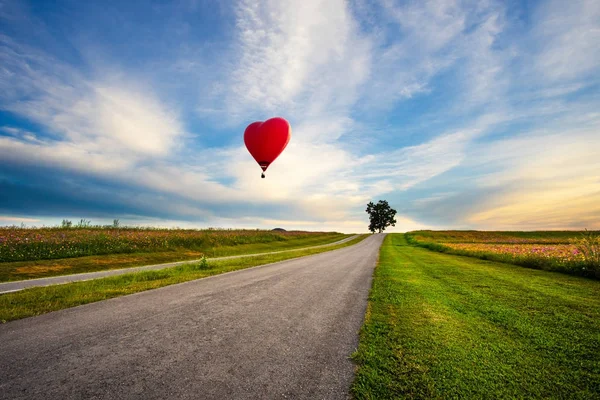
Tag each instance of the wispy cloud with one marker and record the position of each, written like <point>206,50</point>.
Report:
<point>568,34</point>
<point>435,37</point>
<point>306,59</point>
<point>541,180</point>
<point>17,219</point>
<point>100,117</point>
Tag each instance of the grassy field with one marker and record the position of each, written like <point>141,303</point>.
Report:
<point>36,301</point>
<point>533,237</point>
<point>569,252</point>
<point>446,326</point>
<point>209,243</point>
<point>26,244</point>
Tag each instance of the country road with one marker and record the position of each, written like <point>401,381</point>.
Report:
<point>284,330</point>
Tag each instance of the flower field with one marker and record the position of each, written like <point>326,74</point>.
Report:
<point>542,237</point>
<point>18,244</point>
<point>560,251</point>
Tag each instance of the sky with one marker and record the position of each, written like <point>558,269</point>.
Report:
<point>461,114</point>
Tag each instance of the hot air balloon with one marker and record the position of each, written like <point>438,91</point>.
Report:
<point>266,140</point>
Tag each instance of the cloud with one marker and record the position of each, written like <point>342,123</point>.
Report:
<point>568,34</point>
<point>540,180</point>
<point>306,58</point>
<point>418,41</point>
<point>430,103</point>
<point>61,155</point>
<point>404,224</point>
<point>22,134</point>
<point>115,131</point>
<point>411,165</point>
<point>5,218</point>
<point>100,117</point>
<point>546,180</point>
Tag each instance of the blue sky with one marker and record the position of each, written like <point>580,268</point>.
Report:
<point>462,114</point>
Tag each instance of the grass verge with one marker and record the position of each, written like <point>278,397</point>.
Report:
<point>22,270</point>
<point>444,326</point>
<point>40,300</point>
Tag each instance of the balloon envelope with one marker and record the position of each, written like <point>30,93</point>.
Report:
<point>266,140</point>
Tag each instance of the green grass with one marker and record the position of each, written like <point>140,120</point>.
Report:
<point>36,301</point>
<point>445,326</point>
<point>22,270</point>
<point>560,259</point>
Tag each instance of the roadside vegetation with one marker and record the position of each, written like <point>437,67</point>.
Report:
<point>43,252</point>
<point>26,244</point>
<point>569,252</point>
<point>40,300</point>
<point>446,326</point>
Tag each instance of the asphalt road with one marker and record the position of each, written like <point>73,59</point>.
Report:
<point>14,286</point>
<point>284,330</point>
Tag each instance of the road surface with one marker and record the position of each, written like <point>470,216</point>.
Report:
<point>14,286</point>
<point>284,330</point>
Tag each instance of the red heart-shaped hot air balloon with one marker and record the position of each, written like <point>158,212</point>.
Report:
<point>266,140</point>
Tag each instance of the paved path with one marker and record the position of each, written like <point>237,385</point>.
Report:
<point>283,330</point>
<point>7,287</point>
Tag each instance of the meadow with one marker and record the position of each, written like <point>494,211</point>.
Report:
<point>446,326</point>
<point>41,252</point>
<point>562,251</point>
<point>41,300</point>
<point>18,244</point>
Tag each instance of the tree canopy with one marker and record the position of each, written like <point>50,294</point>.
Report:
<point>381,216</point>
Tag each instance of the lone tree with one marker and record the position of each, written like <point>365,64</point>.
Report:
<point>381,216</point>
